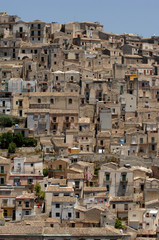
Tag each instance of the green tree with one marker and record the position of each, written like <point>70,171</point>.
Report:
<point>45,172</point>
<point>37,188</point>
<point>12,147</point>
<point>6,121</point>
<point>5,140</point>
<point>18,139</point>
<point>118,224</point>
<point>39,193</point>
<point>42,195</point>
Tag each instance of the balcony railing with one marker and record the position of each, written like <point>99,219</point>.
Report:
<point>123,180</point>
<point>107,180</point>
<point>42,106</point>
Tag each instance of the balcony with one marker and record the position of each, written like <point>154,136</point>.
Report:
<point>107,180</point>
<point>16,183</point>
<point>77,188</point>
<point>123,180</point>
<point>6,205</point>
<point>144,87</point>
<point>41,106</point>
<point>3,172</point>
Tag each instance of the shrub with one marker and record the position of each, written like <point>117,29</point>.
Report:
<point>12,147</point>
<point>30,142</point>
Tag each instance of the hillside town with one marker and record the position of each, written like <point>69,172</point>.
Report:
<point>79,132</point>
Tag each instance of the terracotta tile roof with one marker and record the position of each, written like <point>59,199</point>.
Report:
<point>66,199</point>
<point>61,182</point>
<point>85,164</point>
<point>95,189</point>
<point>75,176</point>
<point>26,195</point>
<point>15,230</point>
<point>53,220</point>
<point>121,199</point>
<point>107,231</point>
<point>54,188</point>
<point>4,161</point>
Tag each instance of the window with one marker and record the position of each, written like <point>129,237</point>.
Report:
<point>57,214</point>
<point>72,78</point>
<point>76,56</point>
<point>39,100</point>
<point>2,169</point>
<point>141,140</point>
<point>69,215</point>
<point>123,177</point>
<point>39,33</point>
<point>57,78</point>
<point>70,101</point>
<point>125,206</point>
<point>56,194</point>
<point>20,103</point>
<point>5,54</point>
<point>107,188</point>
<point>72,119</point>
<point>23,50</point>
<point>20,113</point>
<point>57,205</point>
<point>101,142</point>
<point>26,212</point>
<point>153,139</point>
<point>5,213</point>
<point>21,29</point>
<point>39,26</point>
<point>77,184</point>
<point>107,177</point>
<point>52,225</point>
<point>66,194</point>
<point>30,180</point>
<point>148,116</point>
<point>52,101</point>
<point>31,164</point>
<point>26,204</point>
<point>114,206</point>
<point>20,203</point>
<point>55,55</point>
<point>54,119</point>
<point>4,202</point>
<point>87,148</point>
<point>153,147</point>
